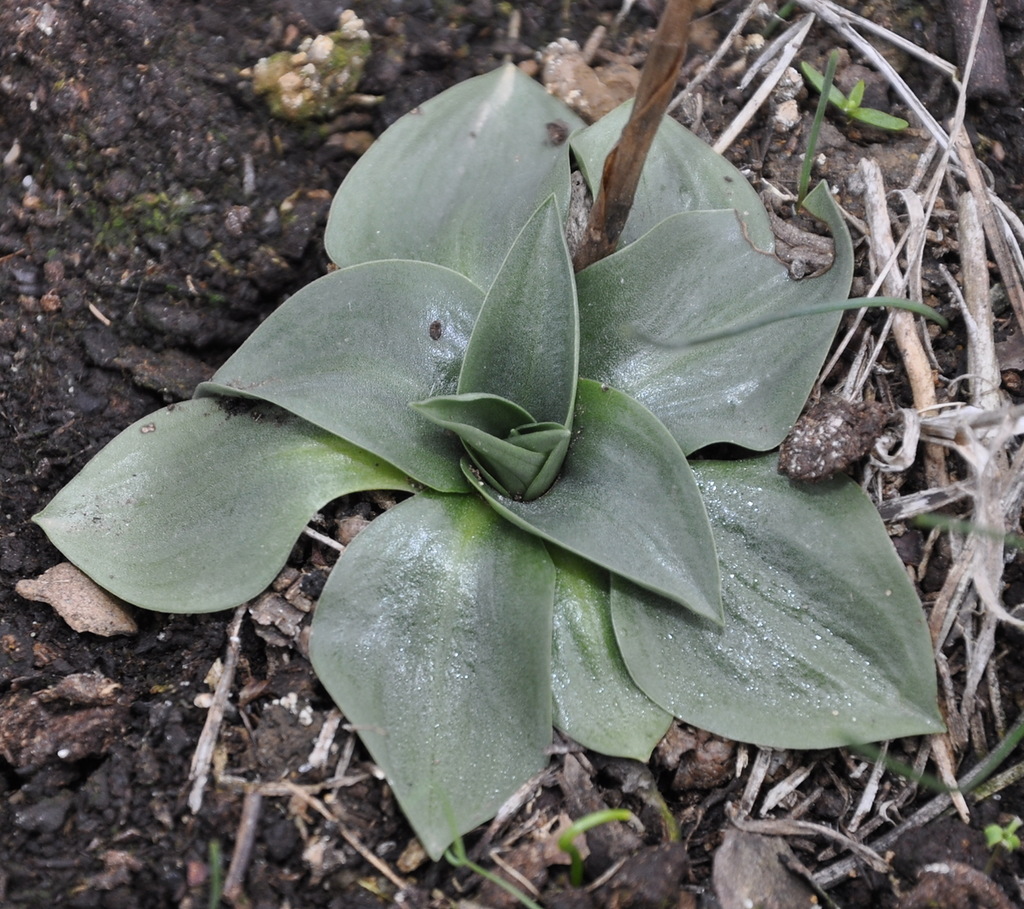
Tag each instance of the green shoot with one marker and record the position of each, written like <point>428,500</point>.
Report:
<point>216,875</point>
<point>566,842</point>
<point>851,106</point>
<point>812,139</point>
<point>1004,836</point>
<point>997,835</point>
<point>952,525</point>
<point>873,753</point>
<point>777,19</point>
<point>921,309</point>
<point>457,858</point>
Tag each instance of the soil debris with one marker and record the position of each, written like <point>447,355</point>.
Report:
<point>80,601</point>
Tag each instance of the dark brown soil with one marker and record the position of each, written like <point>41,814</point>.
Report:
<point>151,214</point>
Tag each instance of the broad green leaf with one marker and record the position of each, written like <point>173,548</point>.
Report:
<point>824,641</point>
<point>642,304</point>
<point>525,344</point>
<point>596,701</point>
<point>627,501</point>
<point>433,636</point>
<point>681,173</point>
<point>454,181</point>
<point>878,119</point>
<point>817,80</point>
<point>196,507</point>
<point>351,350</point>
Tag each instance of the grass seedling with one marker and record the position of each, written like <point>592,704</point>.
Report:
<point>851,106</point>
<point>952,525</point>
<point>812,139</point>
<point>779,18</point>
<point>567,841</point>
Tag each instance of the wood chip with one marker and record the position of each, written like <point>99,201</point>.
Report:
<point>80,601</point>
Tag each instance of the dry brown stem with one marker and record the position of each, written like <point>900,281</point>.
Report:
<point>624,163</point>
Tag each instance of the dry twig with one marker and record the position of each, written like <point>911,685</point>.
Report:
<point>625,161</point>
<point>796,35</point>
<point>905,329</point>
<point>199,772</point>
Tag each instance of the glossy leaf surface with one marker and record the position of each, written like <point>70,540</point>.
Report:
<point>682,173</point>
<point>428,189</point>
<point>627,501</point>
<point>196,507</point>
<point>596,702</point>
<point>824,642</point>
<point>639,304</point>
<point>433,635</point>
<point>351,350</point>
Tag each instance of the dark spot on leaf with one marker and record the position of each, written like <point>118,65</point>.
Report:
<point>436,329</point>
<point>558,131</point>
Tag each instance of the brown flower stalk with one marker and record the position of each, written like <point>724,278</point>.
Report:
<point>625,161</point>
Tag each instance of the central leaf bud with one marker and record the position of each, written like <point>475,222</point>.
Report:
<point>520,370</point>
<point>516,455</point>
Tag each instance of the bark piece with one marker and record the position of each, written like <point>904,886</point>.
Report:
<point>80,601</point>
<point>750,870</point>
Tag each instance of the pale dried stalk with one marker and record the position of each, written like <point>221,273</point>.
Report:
<point>723,48</point>
<point>245,838</point>
<point>870,792</point>
<point>915,360</point>
<point>980,653</point>
<point>785,827</point>
<point>997,239</point>
<point>199,772</point>
<point>952,595</point>
<point>943,753</point>
<point>759,97</point>
<point>910,285</point>
<point>782,790</point>
<point>758,772</point>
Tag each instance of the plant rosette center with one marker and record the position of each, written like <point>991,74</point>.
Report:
<point>567,553</point>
